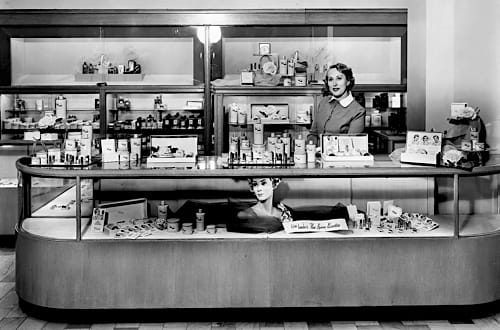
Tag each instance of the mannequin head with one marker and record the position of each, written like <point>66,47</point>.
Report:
<point>263,188</point>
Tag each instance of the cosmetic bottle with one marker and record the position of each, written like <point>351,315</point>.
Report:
<point>286,143</point>
<point>300,145</point>
<point>200,220</point>
<point>283,66</point>
<point>311,152</point>
<point>279,147</point>
<point>258,133</point>
<point>271,143</point>
<point>242,117</point>
<point>291,68</point>
<point>162,210</point>
<point>233,113</point>
<point>244,142</point>
<point>85,68</point>
<point>61,106</point>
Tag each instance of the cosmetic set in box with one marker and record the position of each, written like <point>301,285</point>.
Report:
<point>173,149</point>
<point>422,148</point>
<point>349,149</point>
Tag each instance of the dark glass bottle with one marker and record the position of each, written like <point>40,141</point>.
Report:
<point>85,68</point>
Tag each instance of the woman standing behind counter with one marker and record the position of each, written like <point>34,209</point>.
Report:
<point>338,112</point>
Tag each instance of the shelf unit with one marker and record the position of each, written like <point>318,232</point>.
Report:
<point>102,92</point>
<point>223,96</point>
<point>179,94</point>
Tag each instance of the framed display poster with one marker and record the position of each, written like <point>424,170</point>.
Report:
<point>264,48</point>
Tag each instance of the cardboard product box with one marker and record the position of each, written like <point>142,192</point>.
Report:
<point>32,135</point>
<point>125,210</point>
<point>49,136</point>
<point>422,148</point>
<point>303,114</point>
<point>98,220</point>
<point>109,154</point>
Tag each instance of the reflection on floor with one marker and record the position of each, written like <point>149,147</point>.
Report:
<point>12,317</point>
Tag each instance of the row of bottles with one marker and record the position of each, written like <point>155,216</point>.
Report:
<point>277,148</point>
<point>163,222</point>
<point>177,121</point>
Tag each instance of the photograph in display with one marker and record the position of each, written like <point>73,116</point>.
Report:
<point>422,147</point>
<point>427,143</point>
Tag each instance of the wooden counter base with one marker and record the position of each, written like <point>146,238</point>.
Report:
<point>297,272</point>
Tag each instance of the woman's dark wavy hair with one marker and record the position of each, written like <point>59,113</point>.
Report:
<point>274,181</point>
<point>342,68</point>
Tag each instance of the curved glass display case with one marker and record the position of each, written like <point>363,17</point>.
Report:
<point>62,264</point>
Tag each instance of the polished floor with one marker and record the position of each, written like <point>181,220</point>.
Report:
<point>12,317</point>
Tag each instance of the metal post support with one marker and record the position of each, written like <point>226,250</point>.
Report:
<point>78,209</point>
<point>208,101</point>
<point>456,209</point>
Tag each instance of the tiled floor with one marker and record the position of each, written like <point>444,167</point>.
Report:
<point>11,317</point>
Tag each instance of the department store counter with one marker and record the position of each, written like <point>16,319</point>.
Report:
<point>71,268</point>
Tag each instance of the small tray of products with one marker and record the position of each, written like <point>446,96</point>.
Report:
<point>131,229</point>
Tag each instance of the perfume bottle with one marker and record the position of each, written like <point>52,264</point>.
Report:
<point>258,133</point>
<point>200,220</point>
<point>279,147</point>
<point>271,142</point>
<point>283,66</point>
<point>233,113</point>
<point>300,145</point>
<point>286,143</point>
<point>61,106</point>
<point>162,210</point>
<point>85,68</point>
<point>311,152</point>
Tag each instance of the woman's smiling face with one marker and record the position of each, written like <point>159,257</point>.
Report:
<point>337,83</point>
